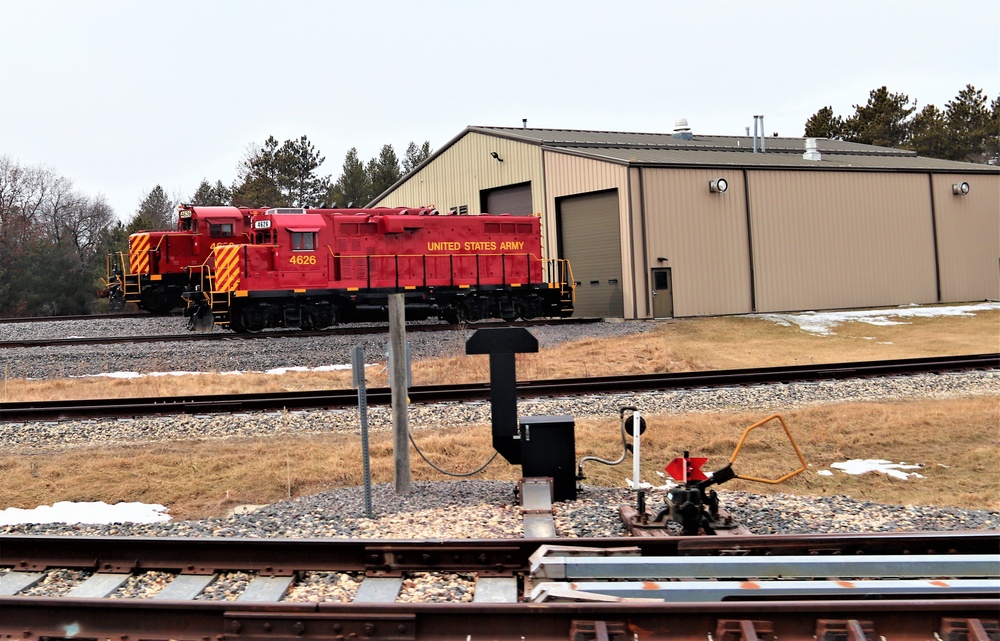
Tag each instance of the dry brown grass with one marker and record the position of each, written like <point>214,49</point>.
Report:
<point>956,441</point>
<point>674,346</point>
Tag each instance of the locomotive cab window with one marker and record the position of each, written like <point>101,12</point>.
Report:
<point>220,230</point>
<point>303,240</point>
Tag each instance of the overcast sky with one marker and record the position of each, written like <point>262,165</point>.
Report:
<point>120,96</point>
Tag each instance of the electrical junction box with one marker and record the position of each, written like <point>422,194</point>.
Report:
<point>548,448</point>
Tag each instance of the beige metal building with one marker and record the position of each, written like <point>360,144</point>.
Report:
<point>652,232</point>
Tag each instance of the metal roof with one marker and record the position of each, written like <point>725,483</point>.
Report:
<point>660,149</point>
<point>776,159</point>
<point>664,150</point>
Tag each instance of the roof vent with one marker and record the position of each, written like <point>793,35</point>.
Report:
<point>812,150</point>
<point>681,130</point>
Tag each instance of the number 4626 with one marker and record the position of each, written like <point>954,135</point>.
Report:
<point>302,260</point>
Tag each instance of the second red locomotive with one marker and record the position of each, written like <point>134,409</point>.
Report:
<point>311,268</point>
<point>157,269</point>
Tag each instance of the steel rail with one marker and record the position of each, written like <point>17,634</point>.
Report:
<point>791,620</point>
<point>205,404</point>
<point>786,617</point>
<point>499,557</point>
<point>296,333</point>
<point>80,317</point>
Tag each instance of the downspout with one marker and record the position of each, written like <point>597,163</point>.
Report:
<point>645,244</point>
<point>753,278</point>
<point>937,261</point>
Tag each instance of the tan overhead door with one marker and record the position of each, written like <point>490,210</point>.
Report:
<point>589,237</point>
<point>515,200</point>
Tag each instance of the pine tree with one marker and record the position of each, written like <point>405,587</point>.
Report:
<point>257,177</point>
<point>824,124</point>
<point>155,212</point>
<point>930,135</point>
<point>969,122</point>
<point>352,189</point>
<point>881,122</point>
<point>296,164</point>
<point>383,172</point>
<point>211,196</point>
<point>414,155</point>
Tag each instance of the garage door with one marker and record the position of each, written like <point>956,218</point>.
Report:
<point>589,237</point>
<point>508,200</point>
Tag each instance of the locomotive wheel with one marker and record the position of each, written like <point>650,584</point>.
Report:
<point>472,311</point>
<point>526,309</point>
<point>450,316</point>
<point>316,319</point>
<point>253,320</point>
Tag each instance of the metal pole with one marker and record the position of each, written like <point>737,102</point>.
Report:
<point>397,384</point>
<point>358,369</point>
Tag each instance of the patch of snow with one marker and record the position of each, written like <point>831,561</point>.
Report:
<point>276,371</point>
<point>95,513</point>
<point>824,322</point>
<point>863,466</point>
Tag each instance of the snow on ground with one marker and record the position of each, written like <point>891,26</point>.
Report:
<point>825,322</point>
<point>97,512</point>
<point>882,466</point>
<point>276,371</point>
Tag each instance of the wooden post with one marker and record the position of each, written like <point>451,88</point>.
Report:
<point>397,384</point>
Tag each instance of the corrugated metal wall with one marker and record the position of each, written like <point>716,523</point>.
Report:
<point>703,237</point>
<point>458,175</point>
<point>968,234</point>
<point>588,237</point>
<point>821,239</point>
<point>567,175</point>
<point>826,239</point>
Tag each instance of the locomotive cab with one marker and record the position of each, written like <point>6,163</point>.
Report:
<point>158,265</point>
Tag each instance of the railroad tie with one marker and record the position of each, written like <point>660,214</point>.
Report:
<point>13,582</point>
<point>376,589</point>
<point>495,589</point>
<point>185,587</point>
<point>267,589</point>
<point>98,586</point>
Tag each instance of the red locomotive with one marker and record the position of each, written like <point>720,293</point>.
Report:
<point>311,268</point>
<point>159,262</point>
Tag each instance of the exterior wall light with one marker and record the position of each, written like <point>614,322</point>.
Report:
<point>718,186</point>
<point>961,189</point>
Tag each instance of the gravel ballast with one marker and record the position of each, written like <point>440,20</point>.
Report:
<point>446,509</point>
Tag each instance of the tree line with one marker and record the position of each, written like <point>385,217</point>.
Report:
<point>54,240</point>
<point>967,129</point>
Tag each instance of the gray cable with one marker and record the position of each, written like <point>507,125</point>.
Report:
<point>426,460</point>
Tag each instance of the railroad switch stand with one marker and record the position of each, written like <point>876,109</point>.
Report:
<point>691,503</point>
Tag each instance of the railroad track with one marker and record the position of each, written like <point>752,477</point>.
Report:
<point>350,330</point>
<point>898,587</point>
<point>82,317</point>
<point>203,404</point>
